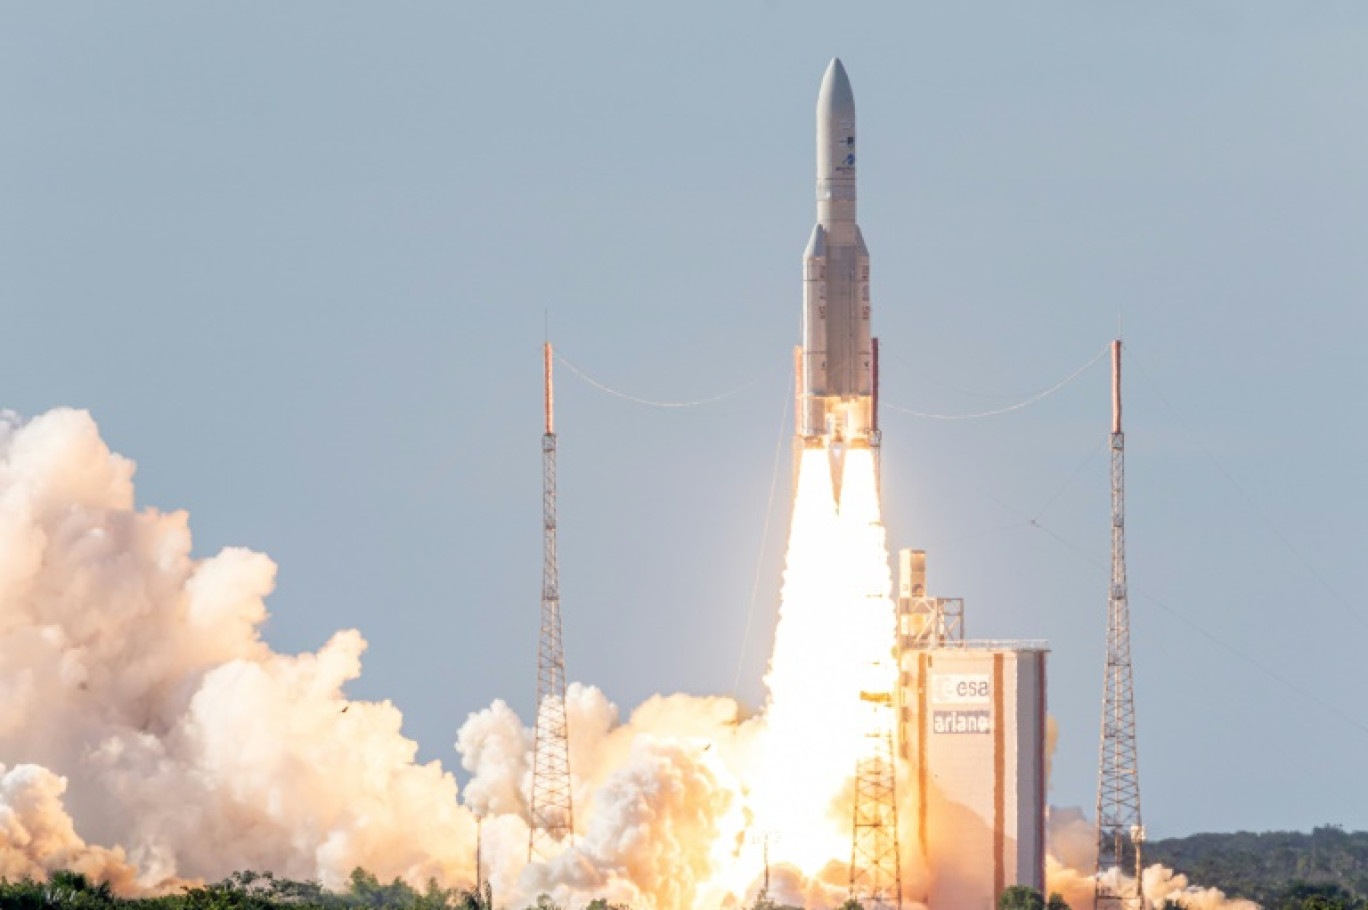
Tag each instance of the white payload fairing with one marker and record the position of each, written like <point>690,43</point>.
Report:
<point>837,369</point>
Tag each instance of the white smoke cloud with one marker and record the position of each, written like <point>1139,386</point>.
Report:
<point>1072,842</point>
<point>138,673</point>
<point>1163,885</point>
<point>657,801</point>
<point>495,749</point>
<point>37,835</point>
<point>649,841</point>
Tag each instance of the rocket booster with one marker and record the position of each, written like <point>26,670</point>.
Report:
<point>837,382</point>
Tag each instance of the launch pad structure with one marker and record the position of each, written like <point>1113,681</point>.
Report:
<point>875,853</point>
<point>875,850</point>
<point>972,717</point>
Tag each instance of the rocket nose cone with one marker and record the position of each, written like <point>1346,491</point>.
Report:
<point>836,94</point>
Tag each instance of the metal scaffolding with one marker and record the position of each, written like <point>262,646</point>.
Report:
<point>875,857</point>
<point>1120,833</point>
<point>551,809</point>
<point>875,865</point>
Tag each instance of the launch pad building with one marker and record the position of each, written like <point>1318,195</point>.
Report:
<point>972,730</point>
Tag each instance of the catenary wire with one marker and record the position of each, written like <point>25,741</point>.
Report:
<point>647,402</point>
<point>1012,407</point>
<point>1087,556</point>
<point>931,378</point>
<point>1102,443</point>
<point>1250,502</point>
<point>1229,648</point>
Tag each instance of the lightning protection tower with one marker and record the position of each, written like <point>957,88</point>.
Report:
<point>1119,831</point>
<point>551,809</point>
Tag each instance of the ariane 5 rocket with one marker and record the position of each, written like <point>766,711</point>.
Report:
<point>837,364</point>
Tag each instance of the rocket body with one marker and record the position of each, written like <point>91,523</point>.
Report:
<point>837,383</point>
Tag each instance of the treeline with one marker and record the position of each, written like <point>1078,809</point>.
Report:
<point>261,891</point>
<point>1282,870</point>
<point>245,891</point>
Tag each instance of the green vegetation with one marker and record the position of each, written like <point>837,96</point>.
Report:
<point>245,891</point>
<point>1020,897</point>
<point>1282,870</point>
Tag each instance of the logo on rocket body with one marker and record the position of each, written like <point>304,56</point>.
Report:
<point>836,382</point>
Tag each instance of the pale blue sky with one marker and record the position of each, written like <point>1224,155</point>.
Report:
<point>295,258</point>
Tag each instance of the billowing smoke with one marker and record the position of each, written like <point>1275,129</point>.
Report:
<point>1163,885</point>
<point>37,836</point>
<point>138,675</point>
<point>657,802</point>
<point>1073,856</point>
<point>1071,841</point>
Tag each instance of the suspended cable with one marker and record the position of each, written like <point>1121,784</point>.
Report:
<point>974,535</point>
<point>1026,518</point>
<point>931,378</point>
<point>1096,561</point>
<point>1014,407</point>
<point>1072,477</point>
<point>1252,503</point>
<point>647,401</point>
<point>1229,648</point>
<point>764,542</point>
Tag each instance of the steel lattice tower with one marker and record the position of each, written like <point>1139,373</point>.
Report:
<point>551,809</point>
<point>875,859</point>
<point>1119,831</point>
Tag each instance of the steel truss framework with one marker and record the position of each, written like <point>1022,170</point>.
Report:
<point>875,858</point>
<point>551,807</point>
<point>1120,833</point>
<point>875,866</point>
